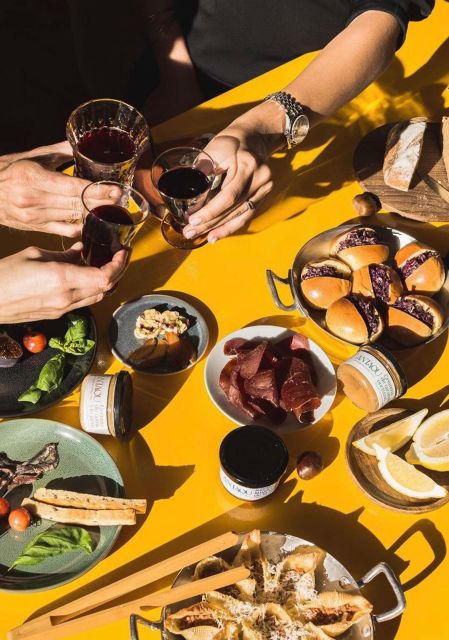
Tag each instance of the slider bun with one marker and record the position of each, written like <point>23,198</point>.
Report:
<point>409,330</point>
<point>362,284</point>
<point>344,320</point>
<point>321,291</point>
<point>359,255</point>
<point>429,277</point>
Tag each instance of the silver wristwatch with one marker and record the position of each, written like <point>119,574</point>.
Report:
<point>296,121</point>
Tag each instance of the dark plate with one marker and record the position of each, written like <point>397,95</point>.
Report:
<point>121,330</point>
<point>17,379</point>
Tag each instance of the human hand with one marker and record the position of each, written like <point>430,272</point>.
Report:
<point>241,150</point>
<point>37,284</point>
<point>34,198</point>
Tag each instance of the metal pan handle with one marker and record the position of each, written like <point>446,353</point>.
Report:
<point>135,619</point>
<point>271,277</point>
<point>383,567</point>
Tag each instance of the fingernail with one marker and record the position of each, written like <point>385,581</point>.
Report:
<point>114,193</point>
<point>213,240</point>
<point>189,234</point>
<point>195,221</point>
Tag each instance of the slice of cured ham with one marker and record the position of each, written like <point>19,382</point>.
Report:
<point>298,393</point>
<point>263,386</point>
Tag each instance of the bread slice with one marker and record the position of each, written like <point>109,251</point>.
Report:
<point>404,146</point>
<point>87,517</point>
<point>60,498</point>
<point>445,132</point>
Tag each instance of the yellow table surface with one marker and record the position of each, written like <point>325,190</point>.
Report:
<point>173,458</point>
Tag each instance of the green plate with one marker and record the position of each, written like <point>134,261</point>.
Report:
<point>84,466</point>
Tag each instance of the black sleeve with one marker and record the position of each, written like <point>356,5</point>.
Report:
<point>402,10</point>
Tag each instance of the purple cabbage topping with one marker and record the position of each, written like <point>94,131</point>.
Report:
<point>367,310</point>
<point>359,237</point>
<point>325,270</point>
<point>415,309</point>
<point>413,263</point>
<point>381,281</point>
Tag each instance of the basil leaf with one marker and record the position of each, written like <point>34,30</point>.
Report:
<point>51,373</point>
<point>56,343</point>
<point>53,542</point>
<point>77,328</point>
<point>50,378</point>
<point>78,347</point>
<point>33,395</point>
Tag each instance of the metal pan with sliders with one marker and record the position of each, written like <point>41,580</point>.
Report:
<point>364,284</point>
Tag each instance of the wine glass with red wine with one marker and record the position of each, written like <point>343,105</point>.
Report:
<point>183,177</point>
<point>107,138</point>
<point>111,225</point>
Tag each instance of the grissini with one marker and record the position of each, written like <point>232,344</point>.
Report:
<point>403,150</point>
<point>377,281</point>
<point>62,498</point>
<point>445,134</point>
<point>324,281</point>
<point>413,319</point>
<point>88,517</point>
<point>354,319</point>
<point>421,268</point>
<point>359,247</point>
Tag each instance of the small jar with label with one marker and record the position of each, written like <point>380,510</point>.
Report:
<point>372,378</point>
<point>106,404</point>
<point>253,460</point>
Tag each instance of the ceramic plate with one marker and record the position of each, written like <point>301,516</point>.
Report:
<point>84,466</point>
<point>121,330</point>
<point>15,380</point>
<point>327,382</point>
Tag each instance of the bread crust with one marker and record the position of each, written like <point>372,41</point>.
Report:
<point>363,255</point>
<point>429,277</point>
<point>344,321</point>
<point>403,150</point>
<point>88,517</point>
<point>409,330</point>
<point>445,136</point>
<point>62,498</point>
<point>321,291</point>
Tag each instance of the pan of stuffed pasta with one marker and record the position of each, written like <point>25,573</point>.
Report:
<point>296,591</point>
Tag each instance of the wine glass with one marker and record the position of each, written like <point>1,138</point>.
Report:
<point>107,138</point>
<point>183,177</point>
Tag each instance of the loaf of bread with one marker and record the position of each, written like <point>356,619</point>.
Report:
<point>404,146</point>
<point>445,131</point>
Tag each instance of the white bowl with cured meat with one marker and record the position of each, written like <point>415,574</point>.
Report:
<point>271,376</point>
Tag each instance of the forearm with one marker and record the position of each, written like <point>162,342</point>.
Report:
<point>348,64</point>
<point>165,36</point>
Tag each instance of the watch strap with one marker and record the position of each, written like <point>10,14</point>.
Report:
<point>292,109</point>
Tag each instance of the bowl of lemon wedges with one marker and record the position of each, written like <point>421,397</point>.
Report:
<point>401,459</point>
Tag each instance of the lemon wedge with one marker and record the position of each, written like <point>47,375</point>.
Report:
<point>392,437</point>
<point>430,446</point>
<point>404,478</point>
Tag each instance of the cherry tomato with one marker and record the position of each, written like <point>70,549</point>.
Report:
<point>4,507</point>
<point>34,341</point>
<point>19,519</point>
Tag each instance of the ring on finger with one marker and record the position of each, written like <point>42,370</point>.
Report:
<point>74,217</point>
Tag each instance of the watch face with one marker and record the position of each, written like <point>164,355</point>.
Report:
<point>300,128</point>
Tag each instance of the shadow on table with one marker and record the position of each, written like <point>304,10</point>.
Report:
<point>341,534</point>
<point>144,478</point>
<point>153,393</point>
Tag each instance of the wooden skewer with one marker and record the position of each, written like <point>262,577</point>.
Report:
<point>141,578</point>
<point>58,627</point>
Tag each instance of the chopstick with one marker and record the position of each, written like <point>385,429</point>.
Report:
<point>57,627</point>
<point>141,578</point>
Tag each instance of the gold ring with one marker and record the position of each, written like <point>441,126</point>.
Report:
<point>74,217</point>
<point>250,205</point>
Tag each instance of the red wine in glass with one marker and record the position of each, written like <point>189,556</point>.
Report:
<point>184,190</point>
<point>106,230</point>
<point>107,145</point>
